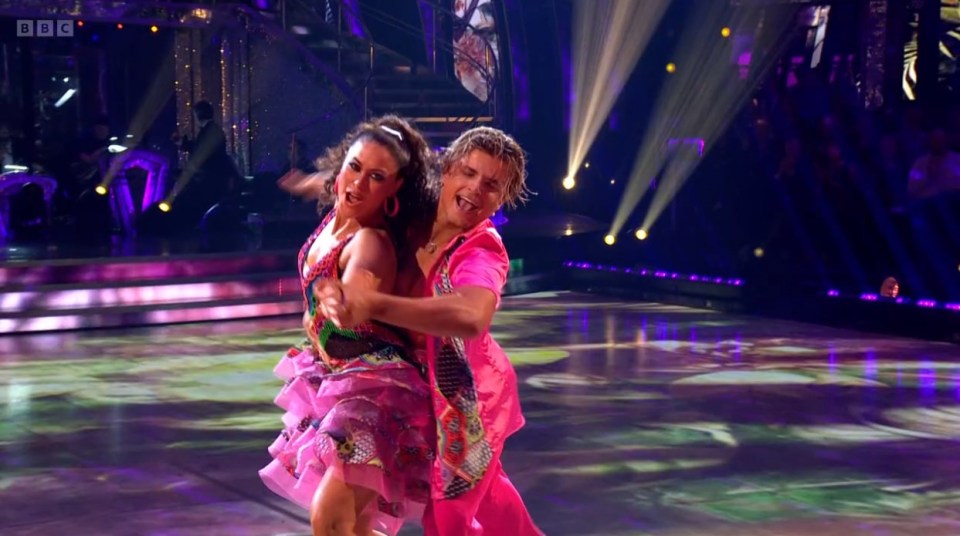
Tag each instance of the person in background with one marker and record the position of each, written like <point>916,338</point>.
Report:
<point>890,288</point>
<point>210,175</point>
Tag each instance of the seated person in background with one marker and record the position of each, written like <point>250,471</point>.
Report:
<point>933,190</point>
<point>936,172</point>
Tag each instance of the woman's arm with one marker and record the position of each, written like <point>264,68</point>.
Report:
<point>302,184</point>
<point>369,261</point>
<point>478,272</point>
<point>465,313</point>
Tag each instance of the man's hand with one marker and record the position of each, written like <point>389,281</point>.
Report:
<point>346,305</point>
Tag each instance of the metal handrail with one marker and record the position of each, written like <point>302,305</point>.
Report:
<point>350,93</point>
<point>371,49</point>
<point>466,25</point>
<point>368,40</point>
<point>489,79</point>
<point>412,30</point>
<point>343,5</point>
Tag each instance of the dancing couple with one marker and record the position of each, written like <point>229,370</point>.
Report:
<point>399,402</point>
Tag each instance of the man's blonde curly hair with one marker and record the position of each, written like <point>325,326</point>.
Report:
<point>497,144</point>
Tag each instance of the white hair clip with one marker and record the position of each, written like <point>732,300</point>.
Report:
<point>394,132</point>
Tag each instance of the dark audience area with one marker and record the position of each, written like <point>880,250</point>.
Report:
<point>809,188</point>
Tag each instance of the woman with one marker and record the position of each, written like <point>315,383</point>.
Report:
<point>455,282</point>
<point>359,439</point>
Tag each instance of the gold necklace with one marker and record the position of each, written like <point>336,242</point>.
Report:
<point>432,244</point>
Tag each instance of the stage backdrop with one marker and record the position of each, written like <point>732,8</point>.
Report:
<point>267,87</point>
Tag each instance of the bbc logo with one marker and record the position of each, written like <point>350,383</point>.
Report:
<point>44,28</point>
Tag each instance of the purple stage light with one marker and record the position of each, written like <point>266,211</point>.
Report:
<point>352,15</point>
<point>125,208</point>
<point>118,270</point>
<point>499,219</point>
<point>150,316</point>
<point>925,303</point>
<point>696,143</point>
<point>142,296</point>
<point>660,274</point>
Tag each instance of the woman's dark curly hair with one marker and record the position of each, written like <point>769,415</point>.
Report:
<point>419,193</point>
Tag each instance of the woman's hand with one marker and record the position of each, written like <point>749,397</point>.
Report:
<point>300,184</point>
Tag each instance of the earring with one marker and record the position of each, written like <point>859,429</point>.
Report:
<point>391,211</point>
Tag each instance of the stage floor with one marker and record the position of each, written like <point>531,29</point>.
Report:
<point>641,419</point>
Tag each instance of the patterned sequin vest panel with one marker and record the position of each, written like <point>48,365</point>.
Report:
<point>464,454</point>
<point>369,343</point>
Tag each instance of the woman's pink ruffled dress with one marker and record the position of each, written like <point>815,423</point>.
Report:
<point>356,403</point>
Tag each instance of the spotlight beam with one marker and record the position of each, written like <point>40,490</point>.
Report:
<point>608,38</point>
<point>151,105</point>
<point>156,97</point>
<point>715,102</point>
<point>699,100</point>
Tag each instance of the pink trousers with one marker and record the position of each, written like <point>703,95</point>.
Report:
<point>492,508</point>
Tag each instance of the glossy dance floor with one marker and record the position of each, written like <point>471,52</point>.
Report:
<point>642,419</point>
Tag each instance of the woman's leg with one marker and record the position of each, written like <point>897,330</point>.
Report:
<point>337,508</point>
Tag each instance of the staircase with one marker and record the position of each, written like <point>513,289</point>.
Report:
<point>388,82</point>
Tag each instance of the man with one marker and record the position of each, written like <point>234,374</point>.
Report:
<point>210,176</point>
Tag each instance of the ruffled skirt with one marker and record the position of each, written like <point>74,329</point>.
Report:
<point>370,422</point>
